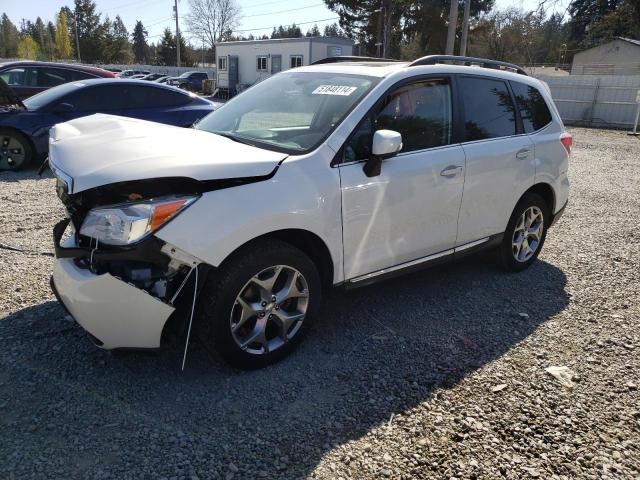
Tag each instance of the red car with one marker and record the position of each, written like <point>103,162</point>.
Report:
<point>28,78</point>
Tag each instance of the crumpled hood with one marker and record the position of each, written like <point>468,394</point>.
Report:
<point>103,149</point>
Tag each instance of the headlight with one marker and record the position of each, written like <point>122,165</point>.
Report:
<point>127,223</point>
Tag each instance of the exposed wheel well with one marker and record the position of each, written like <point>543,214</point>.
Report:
<point>311,244</point>
<point>546,192</point>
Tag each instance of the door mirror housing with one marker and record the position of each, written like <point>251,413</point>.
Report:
<point>64,108</point>
<point>386,144</point>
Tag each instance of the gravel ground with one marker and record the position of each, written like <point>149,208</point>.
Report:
<point>439,374</point>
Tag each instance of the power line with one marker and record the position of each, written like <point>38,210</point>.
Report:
<point>284,11</point>
<point>297,24</point>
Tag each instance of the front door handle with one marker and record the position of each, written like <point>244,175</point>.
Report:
<point>451,171</point>
<point>524,153</point>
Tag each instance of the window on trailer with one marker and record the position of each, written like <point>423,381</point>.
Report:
<point>296,61</point>
<point>222,63</point>
<point>262,64</point>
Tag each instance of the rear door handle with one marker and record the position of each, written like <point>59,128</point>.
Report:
<point>451,171</point>
<point>524,153</point>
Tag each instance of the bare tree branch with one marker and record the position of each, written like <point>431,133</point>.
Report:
<point>210,19</point>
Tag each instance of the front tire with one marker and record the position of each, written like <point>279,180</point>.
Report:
<point>525,233</point>
<point>257,307</point>
<point>15,150</point>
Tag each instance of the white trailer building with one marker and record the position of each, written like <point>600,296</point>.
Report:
<point>244,63</point>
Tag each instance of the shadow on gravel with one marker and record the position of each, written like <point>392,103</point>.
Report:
<point>373,352</point>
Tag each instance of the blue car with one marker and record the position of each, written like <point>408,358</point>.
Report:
<point>189,81</point>
<point>24,125</point>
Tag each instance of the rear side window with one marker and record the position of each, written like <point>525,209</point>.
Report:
<point>154,97</point>
<point>533,109</point>
<point>488,109</point>
<point>101,98</point>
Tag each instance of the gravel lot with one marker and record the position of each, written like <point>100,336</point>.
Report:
<point>439,374</point>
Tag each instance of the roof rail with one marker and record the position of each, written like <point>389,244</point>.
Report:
<point>483,62</point>
<point>349,58</point>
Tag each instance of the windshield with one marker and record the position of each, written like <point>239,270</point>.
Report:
<point>289,112</point>
<point>43,99</point>
<point>185,75</point>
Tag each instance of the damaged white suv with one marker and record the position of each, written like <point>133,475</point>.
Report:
<point>340,173</point>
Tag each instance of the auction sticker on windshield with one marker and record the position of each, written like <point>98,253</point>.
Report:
<point>334,90</point>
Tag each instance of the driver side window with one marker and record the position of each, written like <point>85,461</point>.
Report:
<point>420,112</point>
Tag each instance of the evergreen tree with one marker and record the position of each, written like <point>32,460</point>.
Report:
<point>167,49</point>
<point>8,38</point>
<point>313,31</point>
<point>140,47</point>
<point>90,30</point>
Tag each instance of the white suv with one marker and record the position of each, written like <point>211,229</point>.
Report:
<point>340,173</point>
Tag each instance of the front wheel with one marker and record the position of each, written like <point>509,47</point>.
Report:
<point>525,233</point>
<point>258,306</point>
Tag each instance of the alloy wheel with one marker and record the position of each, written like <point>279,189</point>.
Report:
<point>527,234</point>
<point>269,310</point>
<point>12,152</point>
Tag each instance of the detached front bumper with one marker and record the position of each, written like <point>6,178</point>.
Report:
<point>115,313</point>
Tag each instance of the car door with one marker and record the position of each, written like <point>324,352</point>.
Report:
<point>500,158</point>
<point>156,104</point>
<point>22,80</point>
<point>410,210</point>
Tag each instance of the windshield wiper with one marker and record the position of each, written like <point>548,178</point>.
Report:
<point>234,138</point>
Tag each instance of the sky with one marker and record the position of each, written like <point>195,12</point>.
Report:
<point>258,16</point>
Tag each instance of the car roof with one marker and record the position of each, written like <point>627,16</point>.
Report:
<point>384,69</point>
<point>70,66</point>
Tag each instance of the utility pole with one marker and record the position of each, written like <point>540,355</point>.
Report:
<point>75,23</point>
<point>175,9</point>
<point>465,28</point>
<point>451,32</point>
<point>380,20</point>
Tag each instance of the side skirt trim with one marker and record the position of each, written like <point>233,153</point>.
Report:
<point>419,261</point>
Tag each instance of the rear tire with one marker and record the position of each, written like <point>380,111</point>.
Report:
<point>525,233</point>
<point>16,152</point>
<point>257,307</point>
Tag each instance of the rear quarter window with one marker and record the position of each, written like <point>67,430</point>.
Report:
<point>488,108</point>
<point>533,109</point>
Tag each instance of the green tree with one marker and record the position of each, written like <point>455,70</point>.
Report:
<point>8,38</point>
<point>115,42</point>
<point>313,31</point>
<point>167,49</point>
<point>27,48</point>
<point>140,47</point>
<point>90,30</point>
<point>63,43</point>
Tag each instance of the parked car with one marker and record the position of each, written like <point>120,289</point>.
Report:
<point>153,76</point>
<point>162,79</point>
<point>113,69</point>
<point>189,80</point>
<point>129,73</point>
<point>337,174</point>
<point>28,78</point>
<point>24,126</point>
<point>138,76</point>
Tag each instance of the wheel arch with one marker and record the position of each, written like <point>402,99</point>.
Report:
<point>308,242</point>
<point>546,191</point>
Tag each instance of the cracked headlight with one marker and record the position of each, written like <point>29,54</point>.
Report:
<point>128,223</point>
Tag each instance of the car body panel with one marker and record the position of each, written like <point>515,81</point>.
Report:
<point>407,212</point>
<point>125,155</point>
<point>117,314</point>
<point>221,221</point>
<point>23,91</point>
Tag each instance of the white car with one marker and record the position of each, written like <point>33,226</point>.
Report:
<point>341,173</point>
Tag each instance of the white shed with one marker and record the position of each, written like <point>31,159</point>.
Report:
<point>244,63</point>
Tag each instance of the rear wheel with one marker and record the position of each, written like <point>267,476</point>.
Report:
<point>15,150</point>
<point>256,309</point>
<point>525,234</point>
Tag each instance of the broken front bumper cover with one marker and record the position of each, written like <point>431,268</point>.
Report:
<point>116,313</point>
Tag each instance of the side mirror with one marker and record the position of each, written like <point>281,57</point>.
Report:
<point>63,108</point>
<point>386,144</point>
